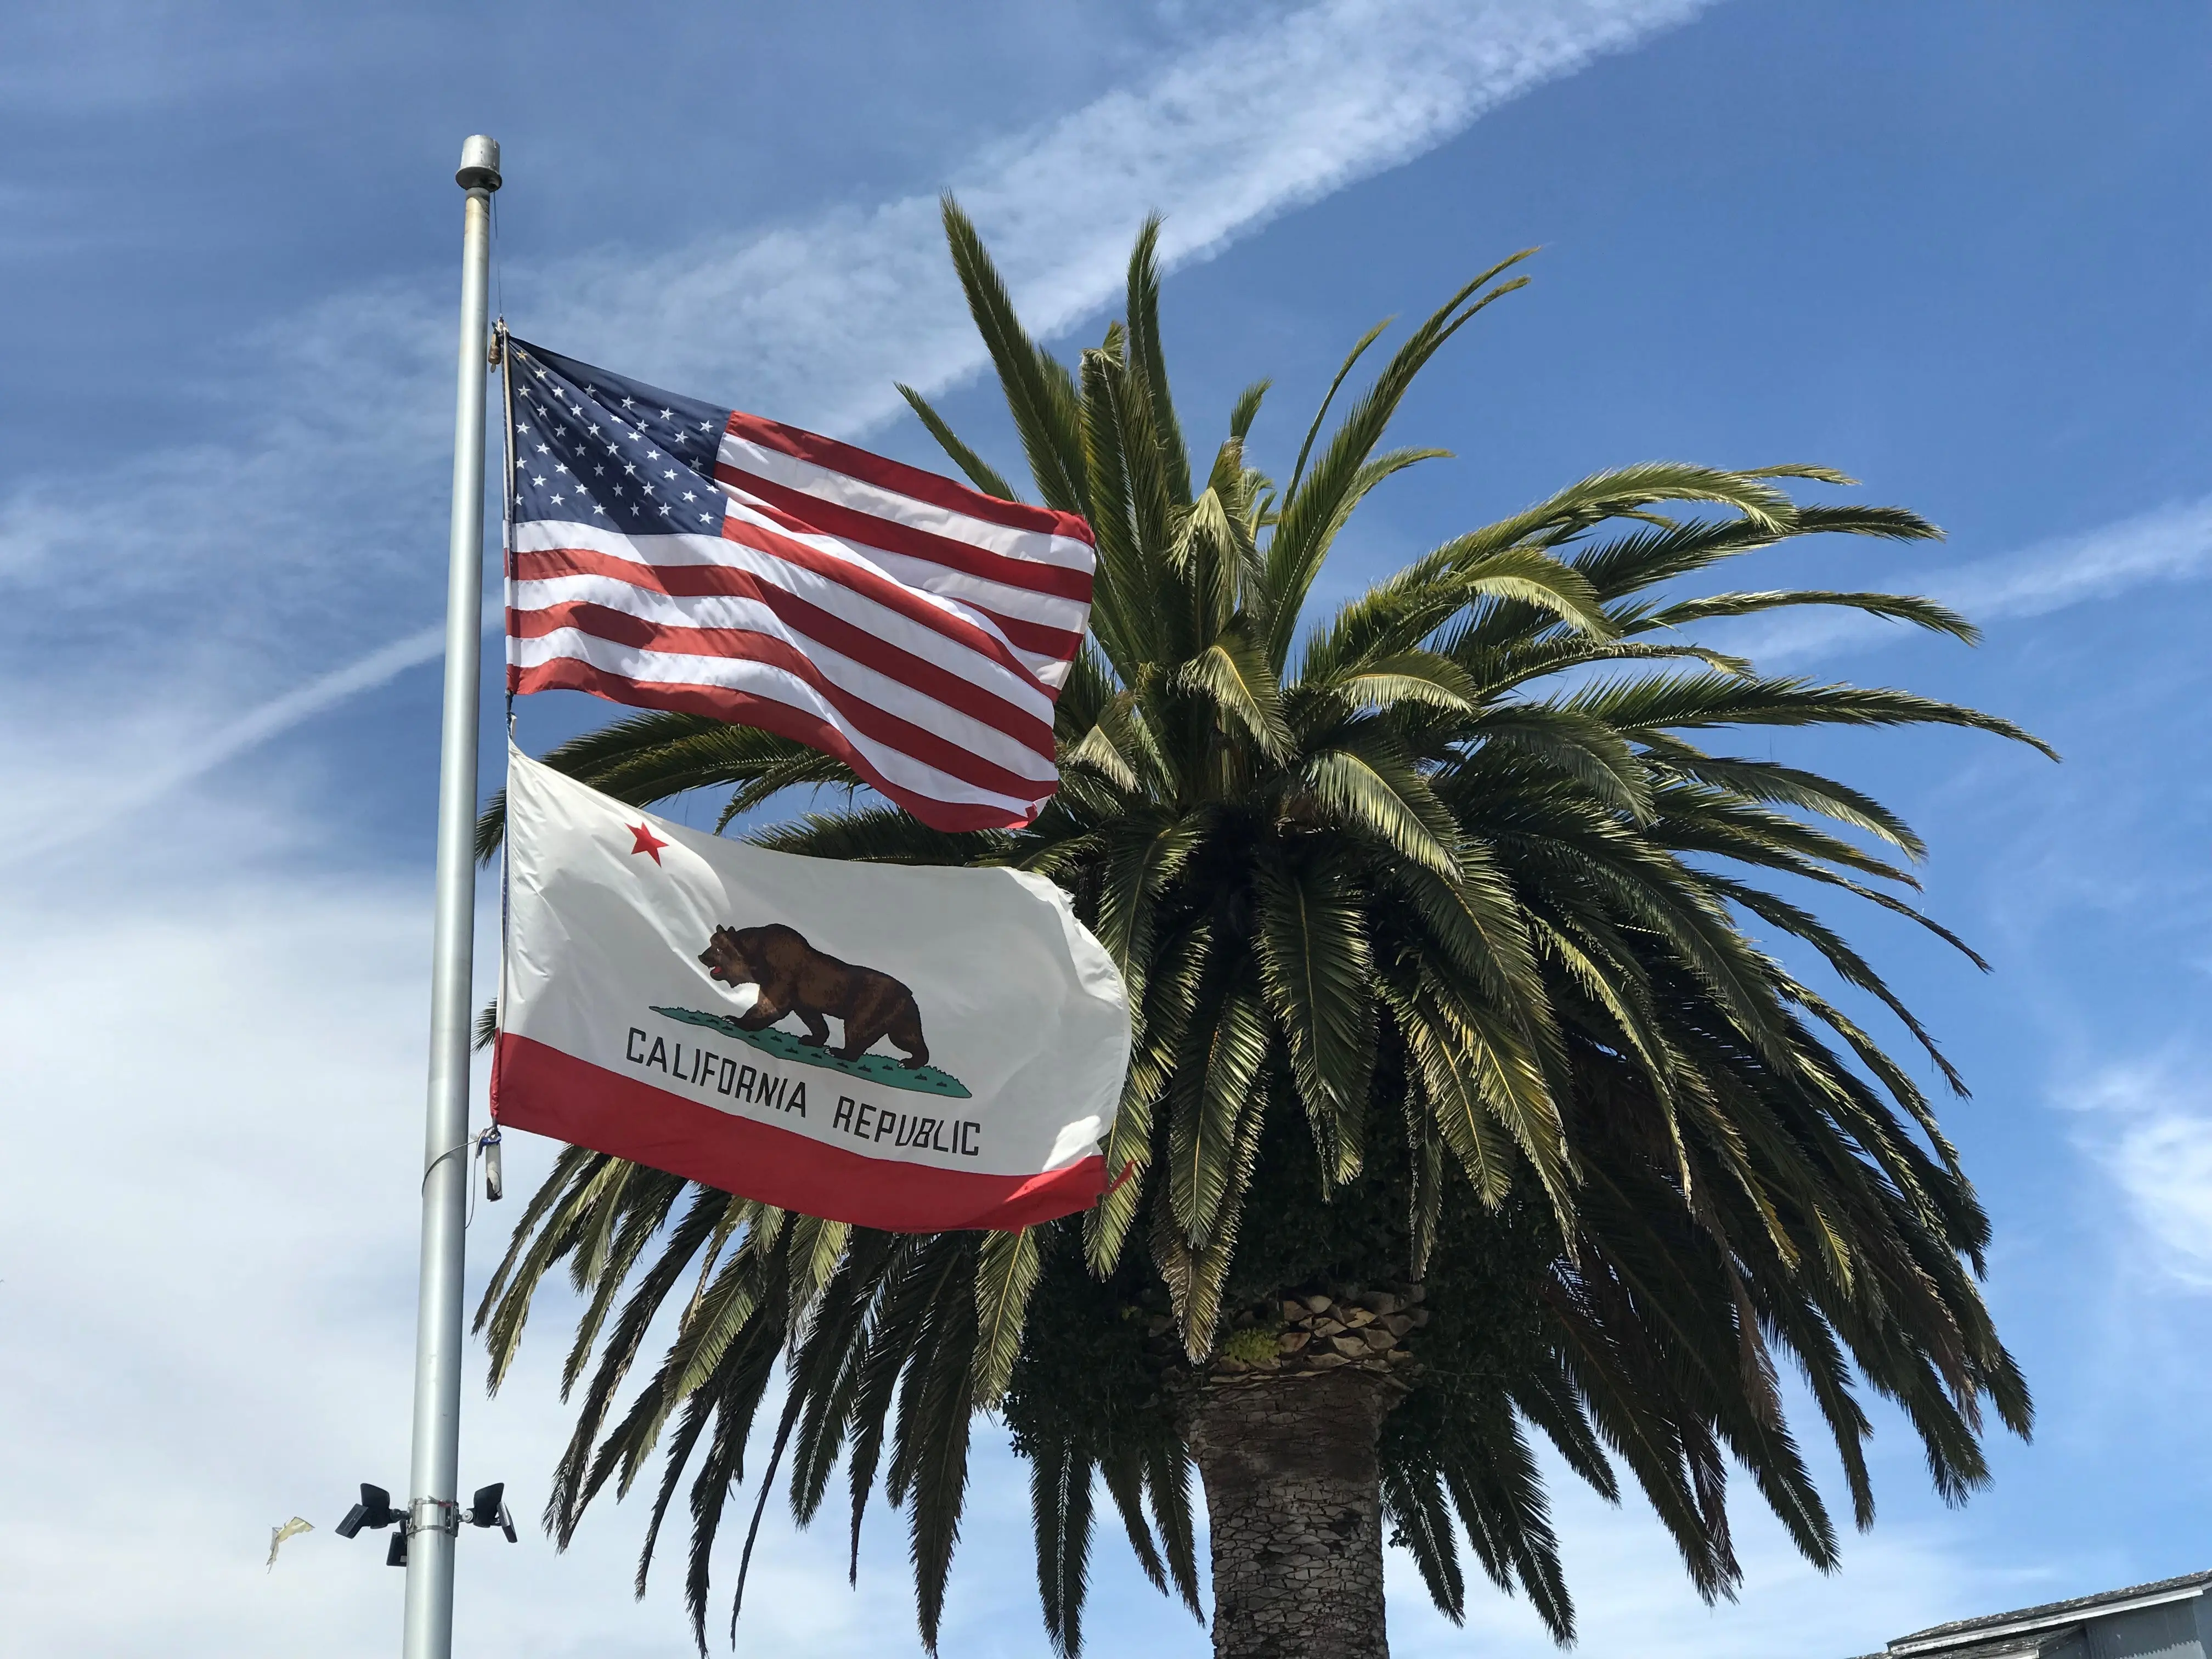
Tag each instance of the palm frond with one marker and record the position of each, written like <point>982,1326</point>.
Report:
<point>1039,393</point>
<point>1673,702</point>
<point>1146,359</point>
<point>1316,506</point>
<point>1895,607</point>
<point>1005,1273</point>
<point>1314,963</point>
<point>980,472</point>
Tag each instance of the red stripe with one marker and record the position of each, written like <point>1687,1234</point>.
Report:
<point>724,702</point>
<point>541,1089</point>
<point>693,580</point>
<point>807,512</point>
<point>1055,644</point>
<point>871,583</point>
<point>923,678</point>
<point>685,581</point>
<point>1059,643</point>
<point>869,719</point>
<point>884,474</point>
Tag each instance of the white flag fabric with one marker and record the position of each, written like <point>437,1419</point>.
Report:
<point>915,1049</point>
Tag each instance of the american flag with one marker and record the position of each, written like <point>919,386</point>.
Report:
<point>670,554</point>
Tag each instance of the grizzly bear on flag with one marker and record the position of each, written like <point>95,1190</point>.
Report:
<point>795,978</point>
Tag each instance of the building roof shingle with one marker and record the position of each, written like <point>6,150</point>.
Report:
<point>1939,1638</point>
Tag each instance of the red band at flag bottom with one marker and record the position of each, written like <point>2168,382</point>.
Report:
<point>539,1088</point>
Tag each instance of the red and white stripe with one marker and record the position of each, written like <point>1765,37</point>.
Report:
<point>917,629</point>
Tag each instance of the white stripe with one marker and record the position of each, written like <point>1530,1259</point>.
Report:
<point>869,685</point>
<point>1022,604</point>
<point>1037,546</point>
<point>1023,701</point>
<point>985,743</point>
<point>550,535</point>
<point>921,575</point>
<point>980,600</point>
<point>849,605</point>
<point>763,680</point>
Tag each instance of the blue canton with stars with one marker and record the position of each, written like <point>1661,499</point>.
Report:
<point>597,449</point>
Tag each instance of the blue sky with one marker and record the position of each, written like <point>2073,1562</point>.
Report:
<point>1956,250</point>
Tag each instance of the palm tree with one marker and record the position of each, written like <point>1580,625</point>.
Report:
<point>1464,1104</point>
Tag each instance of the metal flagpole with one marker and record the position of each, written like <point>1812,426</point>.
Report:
<point>433,1514</point>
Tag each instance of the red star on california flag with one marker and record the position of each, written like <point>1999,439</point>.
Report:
<point>646,840</point>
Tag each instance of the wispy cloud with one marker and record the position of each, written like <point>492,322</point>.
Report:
<point>239,567</point>
<point>819,319</point>
<point>52,805</point>
<point>2148,1123</point>
<point>2171,544</point>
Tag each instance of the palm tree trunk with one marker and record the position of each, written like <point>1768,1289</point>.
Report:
<point>1294,1503</point>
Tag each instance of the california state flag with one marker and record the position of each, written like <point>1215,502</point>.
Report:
<point>913,1049</point>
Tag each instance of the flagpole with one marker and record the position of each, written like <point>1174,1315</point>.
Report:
<point>434,1509</point>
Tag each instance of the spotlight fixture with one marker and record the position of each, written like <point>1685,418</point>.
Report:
<point>374,1512</point>
<point>489,1509</point>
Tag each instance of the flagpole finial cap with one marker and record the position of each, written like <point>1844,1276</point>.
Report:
<point>479,168</point>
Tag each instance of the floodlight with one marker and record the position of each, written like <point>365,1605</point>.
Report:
<point>396,1555</point>
<point>375,1510</point>
<point>489,1509</point>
